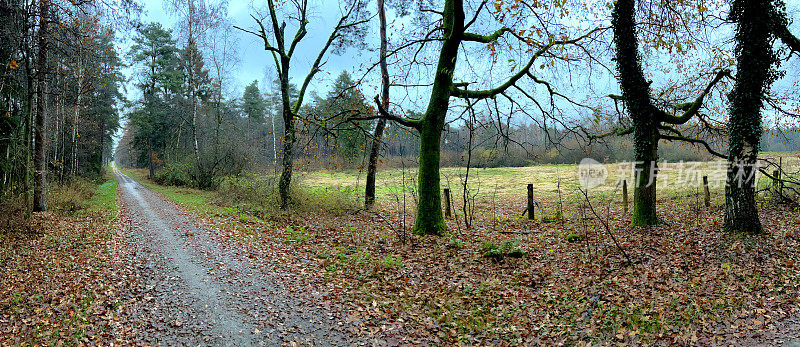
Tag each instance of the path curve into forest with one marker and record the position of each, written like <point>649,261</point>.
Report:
<point>196,290</point>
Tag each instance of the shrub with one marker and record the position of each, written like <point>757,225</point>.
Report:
<point>299,235</point>
<point>454,242</point>
<point>507,248</point>
<point>326,199</point>
<point>253,191</point>
<point>489,157</point>
<point>72,196</point>
<point>174,175</point>
<point>489,249</point>
<point>260,193</point>
<point>354,260</point>
<point>574,238</point>
<point>12,215</point>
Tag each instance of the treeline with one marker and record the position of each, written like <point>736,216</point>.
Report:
<point>781,140</point>
<point>59,95</point>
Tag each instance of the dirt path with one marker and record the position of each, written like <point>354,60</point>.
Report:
<point>197,290</point>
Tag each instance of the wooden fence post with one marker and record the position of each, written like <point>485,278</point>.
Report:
<point>447,213</point>
<point>531,213</point>
<point>776,187</point>
<point>707,196</point>
<point>780,169</point>
<point>625,195</point>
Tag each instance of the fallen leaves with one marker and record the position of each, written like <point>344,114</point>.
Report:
<point>688,286</point>
<point>59,282</point>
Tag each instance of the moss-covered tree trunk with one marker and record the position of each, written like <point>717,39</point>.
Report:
<point>430,220</point>
<point>754,60</point>
<point>284,185</point>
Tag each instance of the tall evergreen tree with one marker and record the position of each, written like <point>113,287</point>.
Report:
<point>253,105</point>
<point>343,103</point>
<point>154,49</point>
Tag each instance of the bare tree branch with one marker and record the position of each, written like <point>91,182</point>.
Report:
<point>691,109</point>
<point>490,93</point>
<point>382,113</point>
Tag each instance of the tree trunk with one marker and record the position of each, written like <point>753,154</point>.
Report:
<point>284,186</point>
<point>39,158</point>
<point>192,47</point>
<point>430,220</point>
<point>28,133</point>
<point>741,214</point>
<point>754,61</point>
<point>369,192</point>
<point>466,206</point>
<point>289,136</point>
<point>150,155</point>
<point>644,192</point>
<point>74,149</point>
<point>101,148</point>
<point>194,132</point>
<point>372,164</point>
<point>274,143</point>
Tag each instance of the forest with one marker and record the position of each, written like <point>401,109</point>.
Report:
<point>392,172</point>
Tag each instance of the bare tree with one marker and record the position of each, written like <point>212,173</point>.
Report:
<point>369,191</point>
<point>649,122</point>
<point>283,48</point>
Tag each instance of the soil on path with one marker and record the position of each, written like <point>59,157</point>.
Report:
<point>195,289</point>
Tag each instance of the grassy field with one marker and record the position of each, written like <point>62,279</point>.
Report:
<point>500,193</point>
<point>552,183</point>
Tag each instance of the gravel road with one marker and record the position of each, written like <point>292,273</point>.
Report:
<point>197,289</point>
